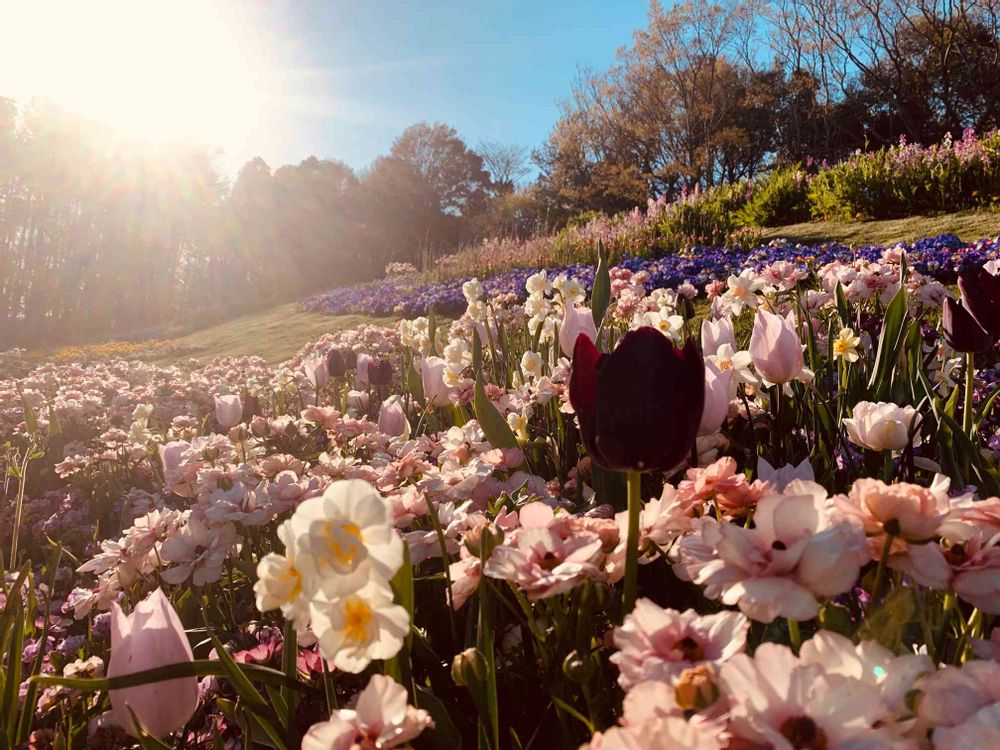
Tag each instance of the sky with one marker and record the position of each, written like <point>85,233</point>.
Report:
<point>286,79</point>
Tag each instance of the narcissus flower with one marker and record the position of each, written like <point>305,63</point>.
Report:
<point>640,406</point>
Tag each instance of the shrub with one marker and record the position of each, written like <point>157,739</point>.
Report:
<point>781,197</point>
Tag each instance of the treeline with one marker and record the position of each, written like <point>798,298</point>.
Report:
<point>712,92</point>
<point>103,238</point>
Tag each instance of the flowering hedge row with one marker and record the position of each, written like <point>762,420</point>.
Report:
<point>940,257</point>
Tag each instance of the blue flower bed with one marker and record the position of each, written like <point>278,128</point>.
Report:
<point>940,257</point>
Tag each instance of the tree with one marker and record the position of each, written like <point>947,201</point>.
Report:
<point>507,164</point>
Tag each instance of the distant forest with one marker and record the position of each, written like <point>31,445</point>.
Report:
<point>101,237</point>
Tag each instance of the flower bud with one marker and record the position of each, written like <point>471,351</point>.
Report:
<point>578,668</point>
<point>468,668</point>
<point>380,372</point>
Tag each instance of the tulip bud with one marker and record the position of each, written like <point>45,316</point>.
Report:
<point>336,364</point>
<point>468,668</point>
<point>392,417</point>
<point>316,370</point>
<point>152,636</point>
<point>716,399</point>
<point>228,411</point>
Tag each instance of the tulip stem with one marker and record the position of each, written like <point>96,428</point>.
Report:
<point>968,414</point>
<point>794,635</point>
<point>632,541</point>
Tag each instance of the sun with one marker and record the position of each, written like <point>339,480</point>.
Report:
<point>156,71</point>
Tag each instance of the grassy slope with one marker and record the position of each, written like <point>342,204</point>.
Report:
<point>968,226</point>
<point>274,334</point>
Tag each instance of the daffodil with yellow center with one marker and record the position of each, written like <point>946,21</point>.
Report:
<point>845,346</point>
<point>358,618</point>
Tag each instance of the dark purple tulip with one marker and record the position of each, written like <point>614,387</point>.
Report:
<point>340,361</point>
<point>961,330</point>
<point>981,296</point>
<point>639,407</point>
<point>380,372</point>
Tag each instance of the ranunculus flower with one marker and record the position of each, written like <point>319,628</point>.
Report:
<point>906,510</point>
<point>576,321</point>
<point>881,426</point>
<point>716,399</point>
<point>152,636</point>
<point>382,718</point>
<point>775,348</point>
<point>640,406</point>
<point>961,330</point>
<point>981,296</point>
<point>228,411</point>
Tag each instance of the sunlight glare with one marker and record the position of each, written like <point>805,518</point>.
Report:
<point>155,71</point>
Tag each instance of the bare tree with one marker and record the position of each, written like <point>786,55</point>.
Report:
<point>507,164</point>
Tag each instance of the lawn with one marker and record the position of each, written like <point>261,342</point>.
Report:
<point>967,225</point>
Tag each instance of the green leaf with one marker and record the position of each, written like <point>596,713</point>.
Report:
<point>415,384</point>
<point>890,342</point>
<point>600,295</point>
<point>843,307</point>
<point>444,735</point>
<point>30,419</point>
<point>887,623</point>
<point>492,423</point>
<point>146,740</point>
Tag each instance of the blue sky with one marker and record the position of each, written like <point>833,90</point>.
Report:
<point>352,75</point>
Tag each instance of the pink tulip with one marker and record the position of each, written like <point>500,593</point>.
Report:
<point>716,399</point>
<point>775,348</point>
<point>436,391</point>
<point>715,333</point>
<point>228,411</point>
<point>316,371</point>
<point>576,320</point>
<point>152,636</point>
<point>392,417</point>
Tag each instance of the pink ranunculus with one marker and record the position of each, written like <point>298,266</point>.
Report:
<point>775,348</point>
<point>658,644</point>
<point>228,410</point>
<point>907,511</point>
<point>576,320</point>
<point>382,718</point>
<point>969,566</point>
<point>152,636</point>
<point>961,705</point>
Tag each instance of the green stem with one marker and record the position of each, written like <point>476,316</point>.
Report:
<point>968,414</point>
<point>632,541</point>
<point>942,636</point>
<point>794,635</point>
<point>883,561</point>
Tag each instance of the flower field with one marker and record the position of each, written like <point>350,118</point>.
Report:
<point>578,514</point>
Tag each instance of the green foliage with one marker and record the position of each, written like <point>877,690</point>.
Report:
<point>779,198</point>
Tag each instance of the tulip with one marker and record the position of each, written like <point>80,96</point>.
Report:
<point>316,370</point>
<point>361,371</point>
<point>392,417</point>
<point>881,426</point>
<point>337,362</point>
<point>981,295</point>
<point>576,321</point>
<point>640,406</point>
<point>715,333</point>
<point>716,399</point>
<point>380,372</point>
<point>775,348</point>
<point>961,330</point>
<point>432,371</point>
<point>152,636</point>
<point>228,411</point>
